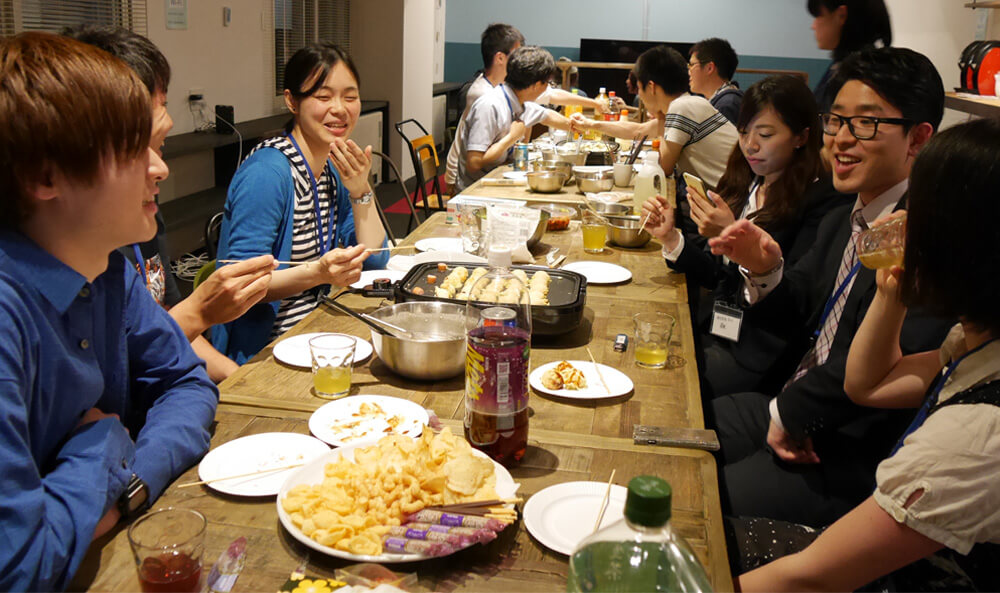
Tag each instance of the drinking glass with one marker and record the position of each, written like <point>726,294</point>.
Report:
<point>653,331</point>
<point>595,232</point>
<point>882,245</point>
<point>470,222</point>
<point>167,545</point>
<point>332,357</point>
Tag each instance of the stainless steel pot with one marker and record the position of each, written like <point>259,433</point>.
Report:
<point>625,231</point>
<point>437,350</point>
<point>546,182</point>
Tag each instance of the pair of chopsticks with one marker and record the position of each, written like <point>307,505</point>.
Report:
<point>604,501</point>
<point>478,507</point>
<point>246,475</point>
<point>634,153</point>
<point>598,369</point>
<point>302,263</point>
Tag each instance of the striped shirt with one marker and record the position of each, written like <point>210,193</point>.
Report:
<point>306,239</point>
<point>706,135</point>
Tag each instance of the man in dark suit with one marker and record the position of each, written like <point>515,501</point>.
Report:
<point>809,454</point>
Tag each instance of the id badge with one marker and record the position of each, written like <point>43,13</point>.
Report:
<point>726,321</point>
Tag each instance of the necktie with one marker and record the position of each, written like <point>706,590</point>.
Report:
<point>818,354</point>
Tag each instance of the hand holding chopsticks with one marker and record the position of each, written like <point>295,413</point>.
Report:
<point>313,261</point>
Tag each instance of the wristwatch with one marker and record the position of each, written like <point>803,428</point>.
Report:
<point>135,500</point>
<point>365,198</point>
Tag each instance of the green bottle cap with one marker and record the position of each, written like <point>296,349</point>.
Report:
<point>648,501</point>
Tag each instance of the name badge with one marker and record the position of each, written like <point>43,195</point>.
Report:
<point>726,321</point>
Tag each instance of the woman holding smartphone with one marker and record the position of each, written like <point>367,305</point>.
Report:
<point>774,177</point>
<point>303,197</point>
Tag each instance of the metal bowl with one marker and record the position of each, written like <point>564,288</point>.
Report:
<point>438,348</point>
<point>559,166</point>
<point>594,179</point>
<point>569,152</point>
<point>610,208</point>
<point>625,231</point>
<point>546,182</point>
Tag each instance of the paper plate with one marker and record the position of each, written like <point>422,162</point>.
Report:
<point>369,276</point>
<point>618,382</point>
<point>403,263</point>
<point>560,516</point>
<point>599,272</point>
<point>439,244</point>
<point>340,422</point>
<point>313,473</point>
<point>294,351</point>
<point>255,453</point>
<point>516,175</point>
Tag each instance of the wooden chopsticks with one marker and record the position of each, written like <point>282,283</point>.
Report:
<point>246,475</point>
<point>302,263</point>
<point>597,368</point>
<point>604,501</point>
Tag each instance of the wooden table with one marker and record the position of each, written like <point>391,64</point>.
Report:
<point>568,195</point>
<point>568,440</point>
<point>514,562</point>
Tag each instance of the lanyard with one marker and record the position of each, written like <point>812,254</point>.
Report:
<point>141,263</point>
<point>932,399</point>
<point>324,246</point>
<point>833,298</point>
<point>503,88</point>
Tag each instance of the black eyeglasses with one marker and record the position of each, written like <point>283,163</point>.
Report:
<point>862,127</point>
<point>693,64</point>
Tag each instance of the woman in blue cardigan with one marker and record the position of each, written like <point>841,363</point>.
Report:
<point>303,197</point>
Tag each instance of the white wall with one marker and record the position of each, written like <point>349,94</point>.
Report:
<point>392,42</point>
<point>234,65</point>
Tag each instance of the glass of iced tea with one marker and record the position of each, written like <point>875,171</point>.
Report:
<point>595,232</point>
<point>332,357</point>
<point>882,245</point>
<point>653,331</point>
<point>167,545</point>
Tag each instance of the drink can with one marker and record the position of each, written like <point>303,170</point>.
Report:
<point>520,156</point>
<point>497,316</point>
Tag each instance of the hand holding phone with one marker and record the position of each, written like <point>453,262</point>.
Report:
<point>698,186</point>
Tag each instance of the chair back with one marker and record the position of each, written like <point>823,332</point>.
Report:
<point>213,228</point>
<point>424,157</point>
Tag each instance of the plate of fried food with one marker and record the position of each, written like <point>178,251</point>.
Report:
<point>577,379</point>
<point>364,419</point>
<point>398,500</point>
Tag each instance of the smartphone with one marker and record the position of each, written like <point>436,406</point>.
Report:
<point>698,186</point>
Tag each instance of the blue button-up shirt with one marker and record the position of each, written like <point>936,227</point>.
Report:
<point>66,346</point>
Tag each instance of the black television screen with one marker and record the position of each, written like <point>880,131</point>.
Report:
<point>615,50</point>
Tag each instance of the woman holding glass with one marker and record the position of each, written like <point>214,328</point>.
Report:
<point>774,177</point>
<point>303,197</point>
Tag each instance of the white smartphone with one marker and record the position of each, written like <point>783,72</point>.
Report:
<point>698,186</point>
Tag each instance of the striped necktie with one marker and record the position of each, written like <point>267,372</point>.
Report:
<point>818,354</point>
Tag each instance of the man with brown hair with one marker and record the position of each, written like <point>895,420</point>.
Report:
<point>102,401</point>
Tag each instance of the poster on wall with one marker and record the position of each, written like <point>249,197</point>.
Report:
<point>177,14</point>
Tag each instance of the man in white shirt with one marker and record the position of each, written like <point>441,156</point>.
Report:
<point>809,454</point>
<point>496,44</point>
<point>501,118</point>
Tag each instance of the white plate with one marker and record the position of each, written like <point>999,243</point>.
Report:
<point>516,175</point>
<point>403,263</point>
<point>255,453</point>
<point>328,423</point>
<point>560,516</point>
<point>599,272</point>
<point>369,276</point>
<point>313,473</point>
<point>618,382</point>
<point>439,244</point>
<point>294,351</point>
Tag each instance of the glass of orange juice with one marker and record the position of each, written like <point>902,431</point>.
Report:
<point>595,232</point>
<point>332,358</point>
<point>653,331</point>
<point>882,245</point>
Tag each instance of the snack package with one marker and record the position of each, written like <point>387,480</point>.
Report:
<point>512,226</point>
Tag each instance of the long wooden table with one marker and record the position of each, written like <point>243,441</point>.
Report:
<point>568,440</point>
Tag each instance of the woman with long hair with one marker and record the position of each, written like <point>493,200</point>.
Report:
<point>843,27</point>
<point>774,177</point>
<point>303,197</point>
